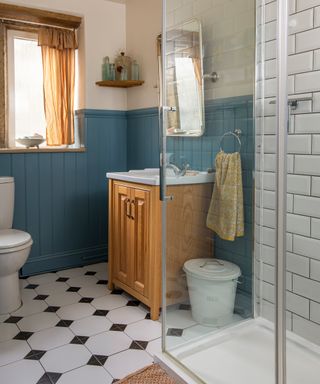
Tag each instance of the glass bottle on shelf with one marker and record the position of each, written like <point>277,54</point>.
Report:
<point>122,61</point>
<point>105,68</point>
<point>112,74</point>
<point>134,70</point>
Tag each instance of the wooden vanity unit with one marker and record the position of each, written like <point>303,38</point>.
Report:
<point>135,238</point>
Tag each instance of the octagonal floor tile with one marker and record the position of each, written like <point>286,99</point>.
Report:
<point>85,375</point>
<point>72,272</point>
<point>144,330</point>
<point>21,372</point>
<point>94,290</point>
<point>38,322</point>
<point>3,318</point>
<point>13,350</point>
<point>110,302</point>
<point>124,363</point>
<point>102,275</point>
<point>28,295</point>
<point>126,315</point>
<point>63,298</point>
<point>43,279</point>
<point>154,347</point>
<point>52,288</point>
<point>96,267</point>
<point>8,331</point>
<point>65,358</point>
<point>90,326</point>
<point>82,281</point>
<point>108,343</point>
<point>30,307</point>
<point>75,311</point>
<point>50,338</point>
<point>179,319</point>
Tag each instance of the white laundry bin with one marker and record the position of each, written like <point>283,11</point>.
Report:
<point>212,285</point>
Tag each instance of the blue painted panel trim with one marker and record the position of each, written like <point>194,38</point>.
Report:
<point>61,198</point>
<point>143,112</point>
<point>101,113</point>
<point>64,260</point>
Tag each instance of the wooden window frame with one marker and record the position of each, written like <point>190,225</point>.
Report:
<point>28,20</point>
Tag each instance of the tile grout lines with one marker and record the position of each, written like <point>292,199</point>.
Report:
<point>38,295</point>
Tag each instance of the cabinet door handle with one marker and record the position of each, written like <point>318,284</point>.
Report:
<point>132,209</point>
<point>127,202</point>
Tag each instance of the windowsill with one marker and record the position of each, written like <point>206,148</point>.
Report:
<point>41,150</point>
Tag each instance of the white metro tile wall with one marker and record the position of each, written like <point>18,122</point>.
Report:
<point>303,203</point>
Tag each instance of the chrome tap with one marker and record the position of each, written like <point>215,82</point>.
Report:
<point>178,171</point>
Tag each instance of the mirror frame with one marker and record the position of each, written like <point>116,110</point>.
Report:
<point>201,130</point>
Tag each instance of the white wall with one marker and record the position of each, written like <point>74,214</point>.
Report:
<point>143,25</point>
<point>102,34</point>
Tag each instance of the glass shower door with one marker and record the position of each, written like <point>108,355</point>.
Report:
<point>212,345</point>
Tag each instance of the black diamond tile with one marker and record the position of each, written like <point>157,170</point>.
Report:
<point>97,360</point>
<point>73,289</point>
<point>31,286</point>
<point>79,340</point>
<point>115,381</point>
<point>86,300</point>
<point>62,279</point>
<point>133,303</point>
<point>64,323</point>
<point>93,361</point>
<point>102,282</point>
<point>44,380</point>
<point>117,292</point>
<point>51,309</point>
<point>54,376</point>
<point>34,355</point>
<point>41,297</point>
<point>23,335</point>
<point>23,277</point>
<point>148,316</point>
<point>175,332</point>
<point>13,319</point>
<point>138,345</point>
<point>118,327</point>
<point>49,378</point>
<point>90,273</point>
<point>185,307</point>
<point>100,312</point>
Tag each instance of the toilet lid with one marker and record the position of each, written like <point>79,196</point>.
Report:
<point>212,269</point>
<point>10,238</point>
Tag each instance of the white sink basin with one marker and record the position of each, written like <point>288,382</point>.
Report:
<point>151,176</point>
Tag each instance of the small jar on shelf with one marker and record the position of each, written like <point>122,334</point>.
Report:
<point>123,67</point>
<point>135,71</point>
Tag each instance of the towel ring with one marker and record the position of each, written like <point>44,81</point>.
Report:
<point>236,134</point>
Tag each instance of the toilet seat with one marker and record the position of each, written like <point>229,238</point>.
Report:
<point>12,240</point>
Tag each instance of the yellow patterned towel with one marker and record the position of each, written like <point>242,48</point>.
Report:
<point>225,216</point>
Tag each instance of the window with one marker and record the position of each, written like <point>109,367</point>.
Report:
<point>38,77</point>
<point>25,87</point>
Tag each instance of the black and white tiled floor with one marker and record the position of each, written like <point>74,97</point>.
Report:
<point>71,329</point>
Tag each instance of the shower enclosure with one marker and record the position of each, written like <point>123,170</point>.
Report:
<point>260,78</point>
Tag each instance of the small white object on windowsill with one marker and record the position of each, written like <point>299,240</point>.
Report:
<point>31,141</point>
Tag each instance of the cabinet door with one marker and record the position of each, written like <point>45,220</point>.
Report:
<point>122,222</point>
<point>140,211</point>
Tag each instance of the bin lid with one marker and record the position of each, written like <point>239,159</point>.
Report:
<point>212,269</point>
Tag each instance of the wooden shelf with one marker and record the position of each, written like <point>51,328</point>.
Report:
<point>120,83</point>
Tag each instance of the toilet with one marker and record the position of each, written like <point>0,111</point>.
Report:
<point>212,285</point>
<point>15,248</point>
